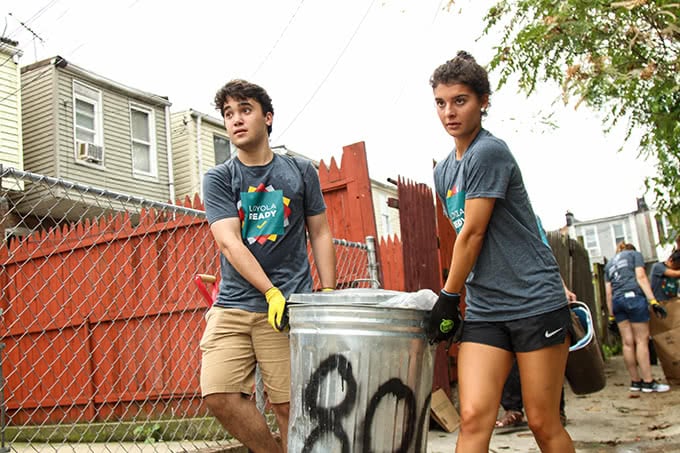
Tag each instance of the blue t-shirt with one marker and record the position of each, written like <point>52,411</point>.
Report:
<point>620,272</point>
<point>515,275</point>
<point>664,288</point>
<point>272,201</point>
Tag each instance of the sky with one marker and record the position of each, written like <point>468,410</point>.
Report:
<point>340,72</point>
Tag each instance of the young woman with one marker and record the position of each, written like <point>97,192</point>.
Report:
<point>627,290</point>
<point>515,301</point>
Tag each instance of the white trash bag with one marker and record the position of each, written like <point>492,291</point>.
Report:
<point>420,300</point>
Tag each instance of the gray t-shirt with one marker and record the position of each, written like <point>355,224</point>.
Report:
<point>664,288</point>
<point>515,275</point>
<point>620,272</point>
<point>272,202</point>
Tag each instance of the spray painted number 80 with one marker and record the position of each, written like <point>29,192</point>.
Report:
<point>329,418</point>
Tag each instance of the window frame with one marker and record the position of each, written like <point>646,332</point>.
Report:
<point>153,151</point>
<point>216,136</point>
<point>597,247</point>
<point>626,238</point>
<point>95,99</point>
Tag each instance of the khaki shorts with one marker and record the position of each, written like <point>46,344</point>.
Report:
<point>233,341</point>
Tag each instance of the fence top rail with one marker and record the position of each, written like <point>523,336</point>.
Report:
<point>105,193</point>
<point>346,243</point>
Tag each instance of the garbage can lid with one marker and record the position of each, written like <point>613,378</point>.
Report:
<point>352,296</point>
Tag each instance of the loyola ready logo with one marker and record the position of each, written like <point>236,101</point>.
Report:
<point>455,206</point>
<point>264,213</point>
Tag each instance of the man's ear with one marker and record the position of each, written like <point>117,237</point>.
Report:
<point>269,118</point>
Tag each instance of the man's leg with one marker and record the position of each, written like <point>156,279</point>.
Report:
<point>273,357</point>
<point>240,417</point>
<point>282,413</point>
<point>227,372</point>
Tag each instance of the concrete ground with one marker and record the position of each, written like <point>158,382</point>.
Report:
<point>612,420</point>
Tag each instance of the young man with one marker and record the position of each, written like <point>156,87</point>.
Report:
<point>664,277</point>
<point>259,205</point>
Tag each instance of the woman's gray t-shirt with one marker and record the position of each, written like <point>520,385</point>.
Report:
<point>272,202</point>
<point>620,272</point>
<point>515,275</point>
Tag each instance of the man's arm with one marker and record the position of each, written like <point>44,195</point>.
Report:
<point>322,248</point>
<point>643,282</point>
<point>227,234</point>
<point>673,273</point>
<point>469,241</point>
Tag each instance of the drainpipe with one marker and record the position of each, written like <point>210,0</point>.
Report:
<point>168,141</point>
<point>199,153</point>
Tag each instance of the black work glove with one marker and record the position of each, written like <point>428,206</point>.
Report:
<point>445,321</point>
<point>659,309</point>
<point>612,326</point>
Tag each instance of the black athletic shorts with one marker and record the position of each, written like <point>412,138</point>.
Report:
<point>521,335</point>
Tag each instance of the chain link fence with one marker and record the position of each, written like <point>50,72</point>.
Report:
<point>102,319</point>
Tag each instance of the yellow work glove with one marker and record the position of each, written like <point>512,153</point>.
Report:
<point>277,315</point>
<point>659,310</point>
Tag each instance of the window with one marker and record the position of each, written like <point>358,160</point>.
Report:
<point>222,149</point>
<point>87,123</point>
<point>592,244</point>
<point>143,144</point>
<point>385,217</point>
<point>619,233</point>
<point>666,232</point>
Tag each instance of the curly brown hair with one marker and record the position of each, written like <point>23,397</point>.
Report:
<point>240,90</point>
<point>463,68</point>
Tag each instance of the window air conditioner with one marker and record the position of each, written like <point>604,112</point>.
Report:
<point>90,152</point>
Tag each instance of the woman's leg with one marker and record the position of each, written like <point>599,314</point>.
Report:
<point>482,371</point>
<point>629,352</point>
<point>640,333</point>
<point>542,376</point>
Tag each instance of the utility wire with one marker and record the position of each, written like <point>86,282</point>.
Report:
<point>330,71</point>
<point>283,32</point>
<point>431,32</point>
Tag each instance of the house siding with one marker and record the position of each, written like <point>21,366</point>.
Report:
<point>11,145</point>
<point>37,105</point>
<point>183,160</point>
<point>188,175</point>
<point>208,131</point>
<point>116,173</point>
<point>380,195</point>
<point>639,229</point>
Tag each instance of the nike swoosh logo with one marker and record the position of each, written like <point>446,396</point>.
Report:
<point>260,226</point>
<point>550,334</point>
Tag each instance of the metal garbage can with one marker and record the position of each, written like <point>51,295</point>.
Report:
<point>361,374</point>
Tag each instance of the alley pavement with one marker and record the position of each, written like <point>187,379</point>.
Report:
<point>613,420</point>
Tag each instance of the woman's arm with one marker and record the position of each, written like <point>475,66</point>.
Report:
<point>643,283</point>
<point>469,241</point>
